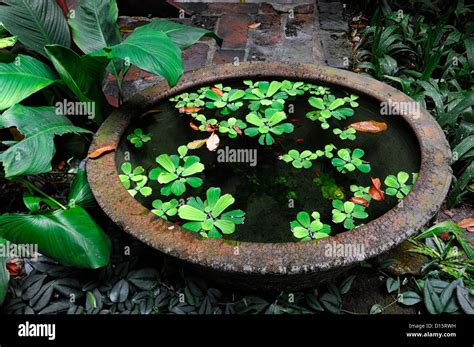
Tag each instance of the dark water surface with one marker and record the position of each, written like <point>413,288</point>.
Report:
<point>263,191</point>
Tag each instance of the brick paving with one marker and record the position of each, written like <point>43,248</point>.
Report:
<point>313,32</point>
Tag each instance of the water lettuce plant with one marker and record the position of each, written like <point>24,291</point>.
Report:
<point>348,161</point>
<point>267,125</point>
<point>307,228</point>
<point>189,100</point>
<point>208,217</point>
<point>397,185</point>
<point>175,172</point>
<point>138,138</point>
<point>266,94</point>
<point>133,180</point>
<point>232,127</point>
<point>346,213</point>
<point>326,151</point>
<point>165,209</point>
<point>292,88</point>
<point>328,107</point>
<point>345,134</point>
<point>225,99</point>
<point>299,160</point>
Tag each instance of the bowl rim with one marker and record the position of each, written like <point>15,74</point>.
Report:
<point>374,238</point>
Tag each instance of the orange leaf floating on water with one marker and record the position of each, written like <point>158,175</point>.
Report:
<point>189,109</point>
<point>196,144</point>
<point>254,25</point>
<point>374,191</point>
<point>193,126</point>
<point>101,151</point>
<point>237,130</point>
<point>211,128</point>
<point>467,223</point>
<point>369,126</point>
<point>359,201</point>
<point>217,91</point>
<point>213,142</point>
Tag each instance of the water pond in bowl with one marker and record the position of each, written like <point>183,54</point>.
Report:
<point>285,151</point>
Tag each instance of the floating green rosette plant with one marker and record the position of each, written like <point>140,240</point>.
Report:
<point>208,217</point>
<point>133,180</point>
<point>138,138</point>
<point>347,212</point>
<point>348,161</point>
<point>267,125</point>
<point>175,172</point>
<point>307,228</point>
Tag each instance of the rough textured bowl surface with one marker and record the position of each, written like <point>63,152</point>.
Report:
<point>273,266</point>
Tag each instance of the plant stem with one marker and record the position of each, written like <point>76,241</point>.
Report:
<point>36,189</point>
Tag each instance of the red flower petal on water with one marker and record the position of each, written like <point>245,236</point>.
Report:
<point>237,130</point>
<point>294,120</point>
<point>299,140</point>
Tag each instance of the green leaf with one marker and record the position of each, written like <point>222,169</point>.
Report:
<point>226,226</point>
<point>273,88</point>
<point>346,284</point>
<point>69,236</point>
<point>4,274</point>
<point>465,299</point>
<point>82,74</point>
<point>194,168</point>
<point>393,284</point>
<point>165,161</point>
<point>80,192</point>
<point>303,218</point>
<point>410,298</point>
<point>432,300</point>
<point>151,51</point>
<point>178,188</point>
<point>120,291</point>
<point>36,23</point>
<point>376,309</point>
<point>224,201</point>
<point>331,303</point>
<point>191,213</point>
<point>33,154</point>
<point>94,25</point>
<point>182,35</point>
<point>21,78</point>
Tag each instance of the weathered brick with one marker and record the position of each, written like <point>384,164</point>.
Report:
<point>195,57</point>
<point>224,56</point>
<point>304,9</point>
<point>266,8</point>
<point>235,8</point>
<point>269,32</point>
<point>233,28</point>
<point>300,26</point>
<point>133,74</point>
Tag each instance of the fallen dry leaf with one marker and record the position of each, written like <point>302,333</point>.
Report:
<point>374,191</point>
<point>17,136</point>
<point>193,126</point>
<point>444,236</point>
<point>189,109</point>
<point>369,126</point>
<point>254,25</point>
<point>126,30</point>
<point>101,151</point>
<point>217,91</point>
<point>211,128</point>
<point>237,130</point>
<point>14,268</point>
<point>448,213</point>
<point>467,223</point>
<point>359,201</point>
<point>196,144</point>
<point>213,142</point>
